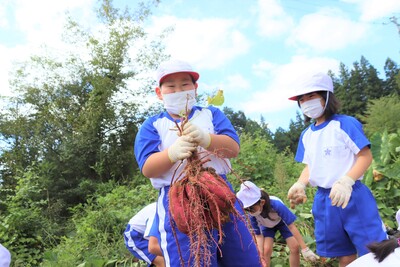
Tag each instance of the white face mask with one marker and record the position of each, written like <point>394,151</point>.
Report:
<point>175,103</point>
<point>256,213</point>
<point>312,108</point>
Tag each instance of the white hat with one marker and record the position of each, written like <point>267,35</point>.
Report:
<point>5,256</point>
<point>317,82</point>
<point>249,194</point>
<point>398,219</point>
<point>174,66</point>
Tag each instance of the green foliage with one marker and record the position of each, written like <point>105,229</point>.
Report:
<point>243,124</point>
<point>355,87</point>
<point>380,114</point>
<point>69,179</point>
<point>30,227</point>
<point>97,235</point>
<point>274,172</point>
<point>289,139</point>
<point>392,82</point>
<point>383,175</point>
<point>69,131</point>
<point>248,164</point>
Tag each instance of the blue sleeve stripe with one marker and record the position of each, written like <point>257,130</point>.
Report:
<point>255,226</point>
<point>287,216</point>
<point>147,141</point>
<point>222,125</point>
<point>353,128</point>
<point>300,148</point>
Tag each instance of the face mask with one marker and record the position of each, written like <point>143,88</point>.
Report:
<point>175,103</point>
<point>255,213</point>
<point>312,108</point>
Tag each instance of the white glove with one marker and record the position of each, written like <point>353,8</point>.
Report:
<point>341,191</point>
<point>181,149</point>
<point>297,192</point>
<point>200,136</point>
<point>309,255</point>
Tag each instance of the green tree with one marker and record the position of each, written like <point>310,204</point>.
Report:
<point>243,124</point>
<point>356,87</point>
<point>72,126</point>
<point>341,86</point>
<point>381,115</point>
<point>391,84</point>
<point>289,139</point>
<point>281,139</point>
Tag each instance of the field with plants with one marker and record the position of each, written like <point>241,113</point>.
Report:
<point>70,182</point>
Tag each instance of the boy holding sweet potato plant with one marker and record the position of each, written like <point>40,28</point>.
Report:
<point>201,149</point>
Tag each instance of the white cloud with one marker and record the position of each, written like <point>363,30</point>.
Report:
<point>3,16</point>
<point>273,20</point>
<point>37,23</point>
<point>284,80</point>
<point>207,43</point>
<point>4,68</point>
<point>262,68</point>
<point>42,21</point>
<point>236,83</point>
<point>376,9</point>
<point>327,30</point>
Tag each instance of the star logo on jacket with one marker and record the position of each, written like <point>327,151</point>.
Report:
<point>327,152</point>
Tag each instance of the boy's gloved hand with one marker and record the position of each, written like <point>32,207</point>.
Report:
<point>181,149</point>
<point>200,136</point>
<point>309,255</point>
<point>341,191</point>
<point>296,193</point>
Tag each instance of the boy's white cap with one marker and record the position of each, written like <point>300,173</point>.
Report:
<point>317,82</point>
<point>174,66</point>
<point>249,194</point>
<point>398,219</point>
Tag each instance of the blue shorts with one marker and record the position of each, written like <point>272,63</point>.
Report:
<point>342,232</point>
<point>237,250</point>
<point>138,245</point>
<point>281,227</point>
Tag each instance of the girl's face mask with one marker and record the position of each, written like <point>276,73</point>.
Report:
<point>256,213</point>
<point>312,108</point>
<point>176,103</point>
<point>256,209</point>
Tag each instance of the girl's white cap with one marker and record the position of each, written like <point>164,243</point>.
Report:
<point>316,82</point>
<point>398,219</point>
<point>249,194</point>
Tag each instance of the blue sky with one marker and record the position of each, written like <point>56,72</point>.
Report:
<point>255,50</point>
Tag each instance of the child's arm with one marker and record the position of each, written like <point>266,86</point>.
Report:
<point>260,243</point>
<point>305,251</point>
<point>224,146</point>
<point>160,162</point>
<point>342,188</point>
<point>292,227</point>
<point>363,161</point>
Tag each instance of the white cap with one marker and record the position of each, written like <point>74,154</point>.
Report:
<point>398,219</point>
<point>249,194</point>
<point>317,82</point>
<point>5,256</point>
<point>174,66</point>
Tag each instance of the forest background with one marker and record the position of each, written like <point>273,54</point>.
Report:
<point>69,180</point>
